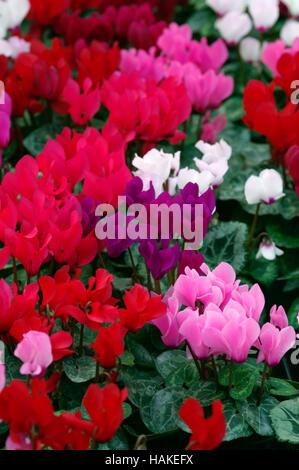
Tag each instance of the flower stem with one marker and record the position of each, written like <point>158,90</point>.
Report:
<point>15,272</point>
<point>149,280</point>
<point>263,384</point>
<point>81,340</point>
<point>231,369</point>
<point>157,287</point>
<point>194,359</point>
<point>135,274</point>
<point>215,370</point>
<point>253,227</point>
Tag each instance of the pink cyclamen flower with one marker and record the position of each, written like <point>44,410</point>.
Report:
<point>82,106</point>
<point>216,286</point>
<point>274,50</point>
<point>278,317</point>
<point>35,351</point>
<point>24,442</point>
<point>274,343</point>
<point>231,332</point>
<point>169,323</point>
<point>252,300</point>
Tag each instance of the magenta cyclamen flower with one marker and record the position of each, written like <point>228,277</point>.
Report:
<point>5,113</point>
<point>35,351</point>
<point>274,343</point>
<point>2,375</point>
<point>278,317</point>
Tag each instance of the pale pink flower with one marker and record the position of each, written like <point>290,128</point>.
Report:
<point>35,351</point>
<point>275,343</point>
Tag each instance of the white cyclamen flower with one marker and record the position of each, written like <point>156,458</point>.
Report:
<point>293,6</point>
<point>204,179</point>
<point>13,46</point>
<point>265,13</point>
<point>266,188</point>
<point>12,13</point>
<point>215,159</point>
<point>234,26</point>
<point>268,250</point>
<point>290,32</point>
<point>156,167</point>
<point>214,152</point>
<point>225,6</point>
<point>251,50</point>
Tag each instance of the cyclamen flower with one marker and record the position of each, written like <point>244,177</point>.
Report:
<point>266,188</point>
<point>278,317</point>
<point>264,14</point>
<point>155,167</point>
<point>82,107</point>
<point>159,261</point>
<point>273,52</point>
<point>2,373</point>
<point>35,352</point>
<point>168,324</point>
<point>140,308</point>
<point>230,331</point>
<point>268,250</point>
<point>221,7</point>
<point>109,345</point>
<point>234,26</point>
<point>293,7</point>
<point>292,162</point>
<point>216,286</point>
<point>251,50</point>
<point>13,47</point>
<point>274,343</point>
<point>5,113</point>
<point>203,179</point>
<point>190,259</point>
<point>215,160</point>
<point>207,434</point>
<point>12,14</point>
<point>289,32</point>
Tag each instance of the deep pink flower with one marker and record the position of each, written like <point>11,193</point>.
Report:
<point>82,107</point>
<point>35,351</point>
<point>278,317</point>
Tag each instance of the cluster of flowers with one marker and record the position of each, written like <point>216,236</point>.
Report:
<point>235,23</point>
<point>263,115</point>
<point>195,64</point>
<point>41,217</point>
<point>221,317</point>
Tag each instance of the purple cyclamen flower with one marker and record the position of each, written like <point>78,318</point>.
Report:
<point>159,261</point>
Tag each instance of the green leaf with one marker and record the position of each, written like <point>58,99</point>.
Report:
<point>12,368</point>
<point>36,141</point>
<point>118,442</point>
<point>127,410</point>
<point>289,205</point>
<point>169,361</point>
<point>282,388</point>
<point>226,243</point>
<point>263,271</point>
<point>202,22</point>
<point>285,421</point>
<point>79,370</point>
<point>258,416</point>
<point>205,392</point>
<point>284,234</point>
<point>244,379</point>
<point>162,413</point>
<point>236,425</point>
<point>293,314</point>
<point>142,356</point>
<point>127,359</point>
<point>142,391</point>
<point>184,375</point>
